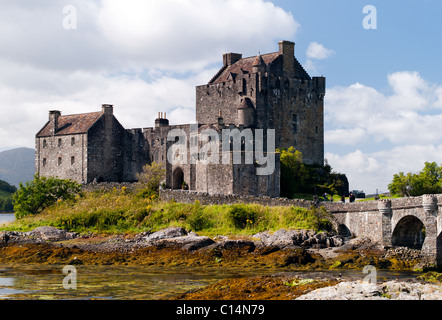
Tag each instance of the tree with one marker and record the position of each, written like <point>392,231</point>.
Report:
<point>293,172</point>
<point>427,181</point>
<point>151,176</point>
<point>297,177</point>
<point>33,197</point>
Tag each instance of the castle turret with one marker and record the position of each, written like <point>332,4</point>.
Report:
<point>258,64</point>
<point>245,113</point>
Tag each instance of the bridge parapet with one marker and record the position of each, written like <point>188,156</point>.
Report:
<point>429,203</point>
<point>384,206</point>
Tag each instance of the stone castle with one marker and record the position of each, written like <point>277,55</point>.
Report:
<point>247,96</point>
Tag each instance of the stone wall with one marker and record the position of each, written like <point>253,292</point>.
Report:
<point>110,186</point>
<point>105,150</point>
<point>64,157</point>
<point>185,196</point>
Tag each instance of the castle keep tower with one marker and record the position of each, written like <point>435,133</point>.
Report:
<point>269,91</point>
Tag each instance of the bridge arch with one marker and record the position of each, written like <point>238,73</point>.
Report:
<point>409,232</point>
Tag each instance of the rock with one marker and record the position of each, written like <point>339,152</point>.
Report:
<point>283,237</point>
<point>51,234</point>
<point>403,253</point>
<point>171,232</point>
<point>188,242</point>
<point>305,238</point>
<point>299,256</point>
<point>392,290</point>
<point>243,245</point>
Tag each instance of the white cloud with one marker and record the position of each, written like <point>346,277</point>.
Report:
<point>184,34</point>
<point>316,51</point>
<point>409,115</point>
<point>374,171</point>
<point>141,56</point>
<point>404,123</point>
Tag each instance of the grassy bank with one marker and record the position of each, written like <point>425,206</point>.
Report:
<point>120,211</point>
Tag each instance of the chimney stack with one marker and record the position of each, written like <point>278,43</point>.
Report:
<point>287,50</point>
<point>231,58</point>
<point>161,121</point>
<point>107,109</point>
<point>53,121</point>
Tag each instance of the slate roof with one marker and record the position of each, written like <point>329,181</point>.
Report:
<point>72,124</point>
<point>242,66</point>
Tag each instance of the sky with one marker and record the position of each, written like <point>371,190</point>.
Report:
<point>383,106</point>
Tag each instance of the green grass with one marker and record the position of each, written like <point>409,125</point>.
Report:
<point>121,212</point>
<point>381,196</point>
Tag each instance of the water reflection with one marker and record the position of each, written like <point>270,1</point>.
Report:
<point>124,282</point>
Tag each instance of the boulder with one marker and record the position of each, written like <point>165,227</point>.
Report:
<point>305,238</point>
<point>188,242</point>
<point>167,233</point>
<point>243,245</point>
<point>50,234</point>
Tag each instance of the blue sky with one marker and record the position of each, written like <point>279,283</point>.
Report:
<point>383,106</point>
<point>406,38</point>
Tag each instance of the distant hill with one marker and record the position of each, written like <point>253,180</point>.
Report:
<point>17,165</point>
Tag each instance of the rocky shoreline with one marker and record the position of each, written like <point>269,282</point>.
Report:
<point>284,249</point>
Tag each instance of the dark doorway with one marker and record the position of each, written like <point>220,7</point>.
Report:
<point>344,231</point>
<point>409,232</point>
<point>178,178</point>
<point>439,251</point>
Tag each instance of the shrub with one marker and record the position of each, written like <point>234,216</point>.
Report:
<point>242,216</point>
<point>197,220</point>
<point>151,176</point>
<point>42,192</point>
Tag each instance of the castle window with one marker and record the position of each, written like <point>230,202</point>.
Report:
<point>72,141</point>
<point>59,161</point>
<point>44,162</point>
<point>244,86</point>
<point>45,143</point>
<point>59,142</point>
<point>295,123</point>
<point>277,83</point>
<point>317,129</point>
<point>72,160</point>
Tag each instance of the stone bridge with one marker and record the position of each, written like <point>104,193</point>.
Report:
<point>410,222</point>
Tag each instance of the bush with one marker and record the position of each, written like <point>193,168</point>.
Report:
<point>151,176</point>
<point>197,220</point>
<point>242,216</point>
<point>42,192</point>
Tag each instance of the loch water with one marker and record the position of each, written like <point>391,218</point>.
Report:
<point>54,282</point>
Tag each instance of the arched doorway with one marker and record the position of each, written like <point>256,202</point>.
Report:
<point>409,232</point>
<point>178,178</point>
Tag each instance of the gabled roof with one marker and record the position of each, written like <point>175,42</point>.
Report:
<point>72,124</point>
<point>243,66</point>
